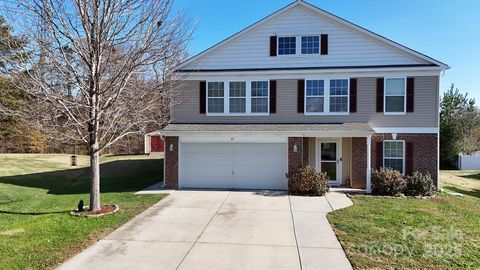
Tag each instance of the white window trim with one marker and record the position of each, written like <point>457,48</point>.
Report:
<point>403,156</point>
<point>208,98</point>
<point>319,44</point>
<point>298,45</point>
<point>226,98</point>
<point>385,97</point>
<point>326,97</point>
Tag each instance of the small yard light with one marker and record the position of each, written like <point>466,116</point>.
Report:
<point>73,160</point>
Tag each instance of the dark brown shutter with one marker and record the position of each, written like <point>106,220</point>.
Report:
<point>324,44</point>
<point>203,97</point>
<point>379,155</point>
<point>380,86</point>
<point>353,95</point>
<point>273,46</point>
<point>410,94</point>
<point>408,158</point>
<point>273,96</point>
<point>301,96</point>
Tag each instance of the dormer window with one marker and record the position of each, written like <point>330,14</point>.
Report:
<point>287,45</point>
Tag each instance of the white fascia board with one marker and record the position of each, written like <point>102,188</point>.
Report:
<point>295,74</point>
<point>407,130</point>
<point>271,134</point>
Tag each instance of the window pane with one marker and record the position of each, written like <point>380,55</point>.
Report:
<point>287,45</point>
<point>310,45</point>
<point>329,152</point>
<point>394,104</point>
<point>215,105</point>
<point>396,164</point>
<point>331,169</point>
<point>237,89</point>
<point>315,87</point>
<point>395,87</point>
<point>393,149</point>
<point>338,87</point>
<point>237,105</point>
<point>215,89</point>
<point>314,104</point>
<point>259,105</point>
<point>339,104</point>
<point>260,89</point>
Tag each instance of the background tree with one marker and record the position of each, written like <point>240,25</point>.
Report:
<point>459,125</point>
<point>97,70</point>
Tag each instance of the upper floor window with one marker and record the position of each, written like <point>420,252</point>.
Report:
<point>314,97</point>
<point>327,96</point>
<point>259,97</point>
<point>395,101</point>
<point>287,45</point>
<point>215,94</point>
<point>310,45</point>
<point>238,97</point>
<point>338,95</point>
<point>394,155</point>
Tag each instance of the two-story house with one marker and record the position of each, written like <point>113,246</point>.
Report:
<point>302,86</point>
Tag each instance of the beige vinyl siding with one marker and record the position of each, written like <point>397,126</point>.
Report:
<point>346,159</point>
<point>426,98</point>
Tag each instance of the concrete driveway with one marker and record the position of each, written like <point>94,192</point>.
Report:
<point>224,230</point>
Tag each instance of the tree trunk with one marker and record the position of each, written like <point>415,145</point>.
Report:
<point>95,181</point>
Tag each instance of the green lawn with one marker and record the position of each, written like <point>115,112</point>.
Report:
<point>37,192</point>
<point>405,233</point>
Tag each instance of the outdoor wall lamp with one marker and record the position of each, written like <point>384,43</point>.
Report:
<point>170,147</point>
<point>295,148</point>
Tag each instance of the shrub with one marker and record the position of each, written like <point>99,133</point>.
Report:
<point>387,181</point>
<point>307,181</point>
<point>419,184</point>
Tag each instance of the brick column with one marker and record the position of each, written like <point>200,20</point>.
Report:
<point>295,159</point>
<point>171,162</point>
<point>359,163</point>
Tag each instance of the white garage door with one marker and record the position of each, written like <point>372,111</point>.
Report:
<point>233,165</point>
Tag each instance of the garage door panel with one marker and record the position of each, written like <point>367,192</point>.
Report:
<point>233,165</point>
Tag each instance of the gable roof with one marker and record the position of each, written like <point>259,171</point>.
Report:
<point>326,14</point>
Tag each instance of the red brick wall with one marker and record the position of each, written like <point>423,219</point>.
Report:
<point>171,162</point>
<point>305,150</point>
<point>295,160</point>
<point>359,163</point>
<point>425,149</point>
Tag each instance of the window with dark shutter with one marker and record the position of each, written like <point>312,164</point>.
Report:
<point>324,44</point>
<point>273,96</point>
<point>273,46</point>
<point>301,96</point>
<point>203,97</point>
<point>353,95</point>
<point>379,155</point>
<point>410,94</point>
<point>408,158</point>
<point>380,89</point>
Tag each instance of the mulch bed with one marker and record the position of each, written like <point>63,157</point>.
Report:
<point>104,210</point>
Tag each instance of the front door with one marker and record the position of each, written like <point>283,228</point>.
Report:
<point>330,160</point>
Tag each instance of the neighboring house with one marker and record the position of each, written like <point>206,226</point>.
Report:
<point>154,143</point>
<point>469,162</point>
<point>302,86</point>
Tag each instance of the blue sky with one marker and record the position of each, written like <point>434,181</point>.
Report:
<point>446,30</point>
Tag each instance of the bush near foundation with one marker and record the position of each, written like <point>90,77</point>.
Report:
<point>307,181</point>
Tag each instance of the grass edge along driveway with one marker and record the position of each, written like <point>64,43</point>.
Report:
<point>406,233</point>
<point>37,192</point>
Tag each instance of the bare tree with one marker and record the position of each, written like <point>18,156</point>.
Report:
<point>97,70</point>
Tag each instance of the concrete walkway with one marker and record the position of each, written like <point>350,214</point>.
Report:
<point>224,230</point>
